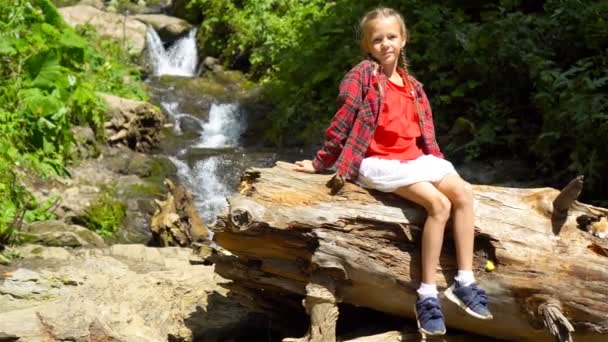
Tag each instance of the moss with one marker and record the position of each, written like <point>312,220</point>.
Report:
<point>161,168</point>
<point>106,215</point>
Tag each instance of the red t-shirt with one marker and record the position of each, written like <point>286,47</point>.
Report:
<point>398,126</point>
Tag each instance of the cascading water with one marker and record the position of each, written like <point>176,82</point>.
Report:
<point>224,126</point>
<point>221,130</point>
<point>180,59</point>
<point>204,144</point>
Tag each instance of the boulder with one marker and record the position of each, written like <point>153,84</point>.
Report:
<point>168,28</point>
<point>116,26</point>
<point>58,233</point>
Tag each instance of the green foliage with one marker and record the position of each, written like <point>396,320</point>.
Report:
<point>106,215</point>
<point>49,76</point>
<point>520,79</point>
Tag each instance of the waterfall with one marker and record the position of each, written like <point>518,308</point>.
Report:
<point>205,177</point>
<point>223,128</point>
<point>208,189</point>
<point>179,59</point>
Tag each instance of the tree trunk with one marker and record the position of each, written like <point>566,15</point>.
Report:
<point>286,233</point>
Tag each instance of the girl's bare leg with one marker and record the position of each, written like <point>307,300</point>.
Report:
<point>460,194</point>
<point>437,206</point>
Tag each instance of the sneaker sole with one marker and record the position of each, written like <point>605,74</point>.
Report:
<point>453,298</point>
<point>423,331</point>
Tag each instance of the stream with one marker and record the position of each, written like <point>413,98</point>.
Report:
<point>204,138</point>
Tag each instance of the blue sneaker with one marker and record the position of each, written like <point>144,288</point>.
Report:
<point>471,298</point>
<point>429,316</point>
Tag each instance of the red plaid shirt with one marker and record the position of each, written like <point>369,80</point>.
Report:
<point>352,128</point>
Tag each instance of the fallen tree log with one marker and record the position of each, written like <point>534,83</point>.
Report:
<point>287,233</point>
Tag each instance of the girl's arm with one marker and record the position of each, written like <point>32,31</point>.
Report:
<point>429,128</point>
<point>349,102</point>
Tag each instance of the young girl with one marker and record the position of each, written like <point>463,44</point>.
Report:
<point>383,138</point>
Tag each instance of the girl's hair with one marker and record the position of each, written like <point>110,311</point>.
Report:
<point>377,13</point>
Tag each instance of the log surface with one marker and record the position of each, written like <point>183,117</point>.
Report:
<point>285,226</point>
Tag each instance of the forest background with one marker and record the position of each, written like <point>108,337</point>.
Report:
<point>507,79</point>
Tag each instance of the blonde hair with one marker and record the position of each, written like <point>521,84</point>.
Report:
<point>377,13</point>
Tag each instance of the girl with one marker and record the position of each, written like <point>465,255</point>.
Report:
<point>383,138</point>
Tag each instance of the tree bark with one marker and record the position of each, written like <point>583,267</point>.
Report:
<point>550,278</point>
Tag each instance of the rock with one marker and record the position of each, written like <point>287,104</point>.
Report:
<point>84,139</point>
<point>93,3</point>
<point>190,125</point>
<point>58,233</point>
<point>209,62</point>
<point>125,293</point>
<point>31,251</point>
<point>112,25</point>
<point>169,28</point>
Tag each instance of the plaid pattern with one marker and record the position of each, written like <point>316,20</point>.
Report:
<point>352,128</point>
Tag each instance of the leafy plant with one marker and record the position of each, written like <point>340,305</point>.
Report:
<point>106,215</point>
<point>50,74</point>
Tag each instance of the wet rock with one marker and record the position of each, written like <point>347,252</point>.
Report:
<point>190,125</point>
<point>58,233</point>
<point>116,26</point>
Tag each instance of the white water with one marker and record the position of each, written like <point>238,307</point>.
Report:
<point>180,59</point>
<point>208,190</point>
<point>223,128</point>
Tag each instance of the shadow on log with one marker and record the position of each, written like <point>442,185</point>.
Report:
<point>285,231</point>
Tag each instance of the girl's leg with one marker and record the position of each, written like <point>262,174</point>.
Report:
<point>437,207</point>
<point>429,315</point>
<point>460,194</point>
<point>464,292</point>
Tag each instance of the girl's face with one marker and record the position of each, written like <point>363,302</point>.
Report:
<point>385,41</point>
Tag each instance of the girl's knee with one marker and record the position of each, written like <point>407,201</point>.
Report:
<point>440,207</point>
<point>463,195</point>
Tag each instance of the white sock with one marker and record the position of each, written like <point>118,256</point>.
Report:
<point>427,290</point>
<point>465,278</point>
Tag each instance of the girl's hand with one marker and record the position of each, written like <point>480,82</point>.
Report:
<point>305,166</point>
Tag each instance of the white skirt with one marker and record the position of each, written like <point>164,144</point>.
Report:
<point>388,175</point>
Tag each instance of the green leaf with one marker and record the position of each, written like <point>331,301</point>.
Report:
<point>45,70</point>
